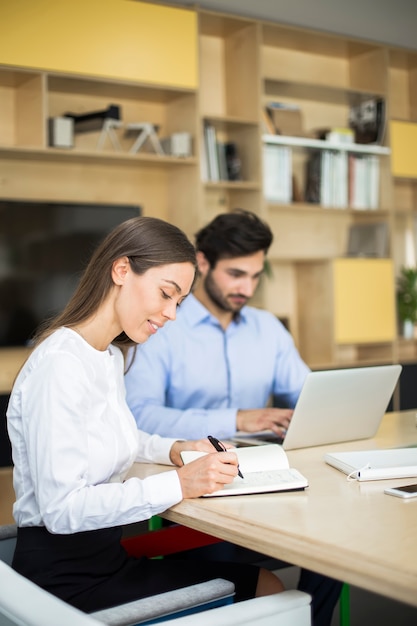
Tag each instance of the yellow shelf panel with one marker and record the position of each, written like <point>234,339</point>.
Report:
<point>364,302</point>
<point>133,41</point>
<point>403,149</point>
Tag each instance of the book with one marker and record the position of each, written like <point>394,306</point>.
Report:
<point>233,162</point>
<point>265,469</point>
<point>277,178</point>
<point>375,464</point>
<point>221,155</point>
<point>364,181</point>
<point>313,178</point>
<point>212,156</point>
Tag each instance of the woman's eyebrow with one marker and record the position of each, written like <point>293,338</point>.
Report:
<point>176,286</point>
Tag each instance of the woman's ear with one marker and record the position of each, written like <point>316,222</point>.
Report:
<point>120,269</point>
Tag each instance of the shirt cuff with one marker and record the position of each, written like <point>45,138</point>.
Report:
<point>162,491</point>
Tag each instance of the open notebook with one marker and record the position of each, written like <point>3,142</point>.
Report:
<point>264,468</point>
<point>375,464</point>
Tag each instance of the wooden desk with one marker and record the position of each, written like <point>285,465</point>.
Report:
<point>348,530</point>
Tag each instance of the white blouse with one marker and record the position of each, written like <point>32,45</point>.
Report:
<point>74,439</point>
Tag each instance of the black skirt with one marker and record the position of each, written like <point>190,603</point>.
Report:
<point>92,571</point>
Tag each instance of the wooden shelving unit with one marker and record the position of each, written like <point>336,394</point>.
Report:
<point>243,64</point>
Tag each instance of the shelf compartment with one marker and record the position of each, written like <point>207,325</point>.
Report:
<point>322,59</point>
<point>246,138</point>
<point>307,235</point>
<point>356,179</point>
<point>403,85</point>
<point>163,191</point>
<point>229,55</point>
<point>22,105</point>
<point>170,110</point>
<point>345,307</point>
<point>405,195</point>
<point>320,144</point>
<point>226,196</point>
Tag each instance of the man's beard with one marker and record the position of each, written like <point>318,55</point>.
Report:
<point>217,298</point>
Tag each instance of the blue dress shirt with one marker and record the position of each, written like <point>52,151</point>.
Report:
<point>190,379</point>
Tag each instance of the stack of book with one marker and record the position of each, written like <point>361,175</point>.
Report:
<point>337,179</point>
<point>327,179</point>
<point>277,173</point>
<point>363,181</point>
<point>221,159</point>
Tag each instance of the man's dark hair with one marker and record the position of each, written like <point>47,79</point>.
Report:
<point>234,234</point>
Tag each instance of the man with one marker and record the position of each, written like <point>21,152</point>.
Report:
<point>215,370</point>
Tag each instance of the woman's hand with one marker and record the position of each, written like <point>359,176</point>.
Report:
<point>207,474</point>
<point>202,445</point>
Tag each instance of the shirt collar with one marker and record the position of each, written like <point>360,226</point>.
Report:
<point>196,313</point>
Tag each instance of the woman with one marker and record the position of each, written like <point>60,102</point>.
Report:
<point>74,438</point>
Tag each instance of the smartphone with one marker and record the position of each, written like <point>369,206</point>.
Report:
<point>406,491</point>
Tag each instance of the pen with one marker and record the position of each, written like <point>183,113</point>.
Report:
<point>220,448</point>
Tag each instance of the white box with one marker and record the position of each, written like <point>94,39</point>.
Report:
<point>178,144</point>
<point>61,132</point>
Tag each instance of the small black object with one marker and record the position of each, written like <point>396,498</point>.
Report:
<point>88,122</point>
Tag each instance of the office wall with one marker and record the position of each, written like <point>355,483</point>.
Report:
<point>392,22</point>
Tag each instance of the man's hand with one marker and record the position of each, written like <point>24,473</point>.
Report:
<point>252,420</point>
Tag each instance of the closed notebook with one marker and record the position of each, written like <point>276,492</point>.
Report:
<point>375,464</point>
<point>264,468</point>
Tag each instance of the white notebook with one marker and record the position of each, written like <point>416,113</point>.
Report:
<point>375,464</point>
<point>264,468</point>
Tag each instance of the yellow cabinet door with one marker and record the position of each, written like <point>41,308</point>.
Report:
<point>403,149</point>
<point>120,39</point>
<point>364,300</point>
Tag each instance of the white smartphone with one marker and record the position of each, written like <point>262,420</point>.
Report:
<point>405,491</point>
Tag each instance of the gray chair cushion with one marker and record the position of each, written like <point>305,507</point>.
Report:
<point>8,531</point>
<point>8,534</point>
<point>166,603</point>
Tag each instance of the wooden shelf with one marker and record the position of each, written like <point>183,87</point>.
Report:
<point>320,144</point>
<point>328,93</point>
<point>100,156</point>
<point>243,64</point>
<point>232,184</point>
<point>230,121</point>
<point>306,207</point>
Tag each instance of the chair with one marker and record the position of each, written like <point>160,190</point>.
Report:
<point>193,598</point>
<point>22,603</point>
<point>176,538</point>
<point>42,609</point>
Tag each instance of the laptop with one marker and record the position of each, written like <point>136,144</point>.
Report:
<point>335,406</point>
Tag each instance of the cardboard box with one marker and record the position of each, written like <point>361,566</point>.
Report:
<point>178,144</point>
<point>287,121</point>
<point>61,132</point>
